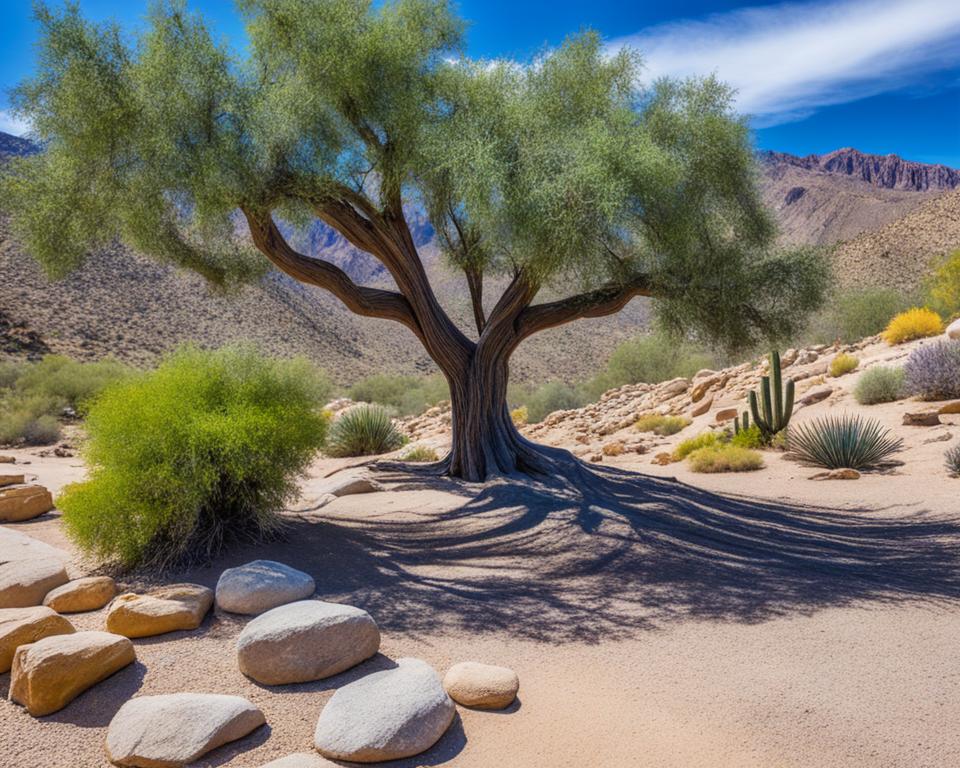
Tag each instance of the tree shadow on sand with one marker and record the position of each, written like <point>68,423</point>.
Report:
<point>633,553</point>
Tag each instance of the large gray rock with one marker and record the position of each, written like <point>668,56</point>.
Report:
<point>307,640</point>
<point>385,716</point>
<point>173,730</point>
<point>29,569</point>
<point>261,585</point>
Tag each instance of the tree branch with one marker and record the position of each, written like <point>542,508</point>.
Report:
<point>370,302</point>
<point>475,285</point>
<point>607,300</point>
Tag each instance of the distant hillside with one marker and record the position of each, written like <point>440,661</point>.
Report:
<point>14,146</point>
<point>825,199</point>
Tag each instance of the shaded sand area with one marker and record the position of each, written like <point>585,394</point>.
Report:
<point>655,625</point>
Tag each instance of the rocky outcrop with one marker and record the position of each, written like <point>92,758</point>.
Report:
<point>261,585</point>
<point>388,715</point>
<point>50,673</point>
<point>173,730</point>
<point>308,640</point>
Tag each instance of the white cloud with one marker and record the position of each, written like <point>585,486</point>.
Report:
<point>10,123</point>
<point>787,60</point>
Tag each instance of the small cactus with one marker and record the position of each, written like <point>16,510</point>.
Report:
<point>741,426</point>
<point>773,409</point>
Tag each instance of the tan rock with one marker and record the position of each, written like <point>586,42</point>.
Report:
<point>701,388</point>
<point>837,474</point>
<point>949,409</point>
<point>50,673</point>
<point>816,396</point>
<point>725,415</point>
<point>90,593</point>
<point>21,626</point>
<point>923,419</point>
<point>24,502</point>
<point>6,480</point>
<point>8,460</point>
<point>301,760</point>
<point>28,569</point>
<point>169,609</point>
<point>482,686</point>
<point>702,407</point>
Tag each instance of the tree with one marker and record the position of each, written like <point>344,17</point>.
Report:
<point>563,179</point>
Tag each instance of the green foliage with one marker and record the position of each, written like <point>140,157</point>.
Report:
<point>201,451</point>
<point>407,395</point>
<point>364,430</point>
<point>838,442</point>
<point>748,437</point>
<point>772,413</point>
<point>688,446</point>
<point>420,454</point>
<point>843,364</point>
<point>943,286</point>
<point>952,460</point>
<point>879,384</point>
<point>855,315</point>
<point>543,400</point>
<point>661,425</point>
<point>727,457</point>
<point>34,395</point>
<point>650,358</point>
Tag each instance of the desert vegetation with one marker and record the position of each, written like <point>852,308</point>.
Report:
<point>841,442</point>
<point>932,371</point>
<point>363,430</point>
<point>881,384</point>
<point>916,323</point>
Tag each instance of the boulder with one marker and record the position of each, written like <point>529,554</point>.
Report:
<point>953,330</point>
<point>8,460</point>
<point>700,388</point>
<point>726,414</point>
<point>50,673</point>
<point>21,626</point>
<point>949,409</point>
<point>816,396</point>
<point>172,730</point>
<point>350,483</point>
<point>168,609</point>
<point>385,716</point>
<point>844,473</point>
<point>673,388</point>
<point>307,640</point>
<point>482,686</point>
<point>24,502</point>
<point>29,569</point>
<point>922,419</point>
<point>301,760</point>
<point>6,480</point>
<point>90,593</point>
<point>702,407</point>
<point>261,585</point>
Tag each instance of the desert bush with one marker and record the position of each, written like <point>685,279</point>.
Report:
<point>407,395</point>
<point>843,364</point>
<point>201,451</point>
<point>724,457</point>
<point>71,382</point>
<point>520,416</point>
<point>10,371</point>
<point>661,425</point>
<point>420,454</point>
<point>364,430</point>
<point>943,286</point>
<point>838,442</point>
<point>879,385</point>
<point>933,371</point>
<point>856,315</point>
<point>543,400</point>
<point>952,460</point>
<point>29,419</point>
<point>688,446</point>
<point>916,323</point>
<point>750,437</point>
<point>614,448</point>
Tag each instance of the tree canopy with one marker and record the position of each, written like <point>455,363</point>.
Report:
<point>566,175</point>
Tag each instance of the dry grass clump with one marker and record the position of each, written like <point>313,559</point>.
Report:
<point>725,457</point>
<point>420,454</point>
<point>952,459</point>
<point>616,448</point>
<point>843,364</point>
<point>916,323</point>
<point>661,425</point>
<point>688,446</point>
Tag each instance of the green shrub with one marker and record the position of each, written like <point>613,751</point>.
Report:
<point>364,430</point>
<point>661,425</point>
<point>69,381</point>
<point>943,287</point>
<point>543,400</point>
<point>29,419</point>
<point>839,442</point>
<point>203,450</point>
<point>420,454</point>
<point>750,437</point>
<point>952,458</point>
<point>879,385</point>
<point>10,371</point>
<point>407,395</point>
<point>688,446</point>
<point>856,315</point>
<point>843,364</point>
<point>725,458</point>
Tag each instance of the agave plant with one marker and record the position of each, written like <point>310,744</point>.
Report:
<point>364,430</point>
<point>837,442</point>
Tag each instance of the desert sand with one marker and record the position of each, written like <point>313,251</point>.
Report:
<point>763,619</point>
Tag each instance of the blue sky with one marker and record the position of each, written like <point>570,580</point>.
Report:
<point>815,75</point>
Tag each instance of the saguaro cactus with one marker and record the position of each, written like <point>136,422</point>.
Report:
<point>775,407</point>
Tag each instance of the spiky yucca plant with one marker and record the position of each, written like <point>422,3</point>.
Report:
<point>837,442</point>
<point>365,430</point>
<point>952,459</point>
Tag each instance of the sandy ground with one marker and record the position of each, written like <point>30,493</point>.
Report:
<point>655,624</point>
